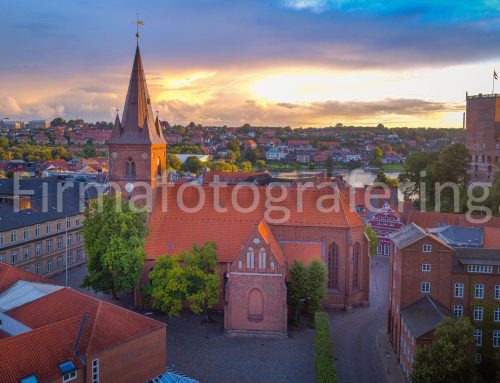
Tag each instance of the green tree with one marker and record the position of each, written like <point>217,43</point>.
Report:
<point>377,155</point>
<point>169,287</point>
<point>297,289</point>
<point>193,165</point>
<point>223,166</point>
<point>200,268</point>
<point>386,180</point>
<point>372,238</point>
<point>234,146</point>
<point>58,121</point>
<point>173,162</point>
<point>4,143</point>
<point>114,241</point>
<point>246,166</point>
<point>329,166</point>
<point>418,170</point>
<point>316,286</point>
<point>261,165</point>
<point>449,358</point>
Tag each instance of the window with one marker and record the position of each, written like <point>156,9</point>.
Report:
<point>13,236</point>
<point>130,168</point>
<point>425,287</point>
<point>69,240</point>
<point>497,292</point>
<point>59,262</point>
<point>49,245</point>
<point>478,358</point>
<point>386,249</point>
<point>262,258</point>
<point>68,222</point>
<point>478,313</point>
<point>70,258</point>
<point>77,221</point>
<point>27,253</point>
<point>2,257</point>
<point>13,257</point>
<point>250,258</point>
<point>479,291</point>
<point>38,268</point>
<point>1,239</point>
<point>58,225</point>
<point>78,255</point>
<point>95,371</point>
<point>49,265</point>
<point>478,336</point>
<point>26,233</point>
<point>458,311</point>
<point>480,269</point>
<point>59,242</point>
<point>496,338</point>
<point>47,228</point>
<point>379,249</point>
<point>78,238</point>
<point>69,376</point>
<point>38,249</point>
<point>496,314</point>
<point>459,290</point>
<point>426,267</point>
<point>427,248</point>
<point>37,230</point>
<point>355,266</point>
<point>333,266</point>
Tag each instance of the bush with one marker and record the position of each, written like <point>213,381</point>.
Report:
<point>326,370</point>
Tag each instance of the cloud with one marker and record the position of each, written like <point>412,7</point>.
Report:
<point>9,106</point>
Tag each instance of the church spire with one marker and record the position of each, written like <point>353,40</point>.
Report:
<point>138,124</point>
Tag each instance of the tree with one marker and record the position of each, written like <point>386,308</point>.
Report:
<point>252,155</point>
<point>193,165</point>
<point>168,287</point>
<point>234,146</point>
<point>297,289</point>
<point>372,238</point>
<point>114,241</point>
<point>223,166</point>
<point>329,166</point>
<point>386,180</point>
<point>4,143</point>
<point>449,358</point>
<point>316,286</point>
<point>231,156</point>
<point>173,162</point>
<point>377,155</point>
<point>412,177</point>
<point>261,165</point>
<point>58,121</point>
<point>200,267</point>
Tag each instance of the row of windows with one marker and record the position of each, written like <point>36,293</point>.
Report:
<point>478,291</point>
<point>386,249</point>
<point>39,249</point>
<point>26,231</point>
<point>478,336</point>
<point>478,314</point>
<point>480,269</point>
<point>49,266</point>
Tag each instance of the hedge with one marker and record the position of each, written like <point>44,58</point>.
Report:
<point>326,370</point>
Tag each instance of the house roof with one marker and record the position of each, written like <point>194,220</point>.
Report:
<point>268,236</point>
<point>138,126</point>
<point>173,229</point>
<point>424,315</point>
<point>23,292</point>
<point>9,275</point>
<point>491,237</point>
<point>407,235</point>
<point>428,219</point>
<point>459,236</point>
<point>481,256</point>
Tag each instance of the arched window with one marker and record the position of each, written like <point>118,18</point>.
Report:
<point>255,305</point>
<point>333,266</point>
<point>130,168</point>
<point>158,167</point>
<point>262,258</point>
<point>250,258</point>
<point>355,266</point>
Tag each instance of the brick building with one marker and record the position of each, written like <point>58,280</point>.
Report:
<point>428,280</point>
<point>482,135</point>
<point>255,242</point>
<point>49,333</point>
<point>41,232</point>
<point>385,222</point>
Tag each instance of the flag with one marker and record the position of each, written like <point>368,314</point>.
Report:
<point>140,22</point>
<point>495,75</point>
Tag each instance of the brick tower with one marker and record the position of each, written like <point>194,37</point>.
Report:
<point>137,149</point>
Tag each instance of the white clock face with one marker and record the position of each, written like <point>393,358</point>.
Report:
<point>129,187</point>
<point>114,155</point>
<point>144,156</point>
<point>256,240</point>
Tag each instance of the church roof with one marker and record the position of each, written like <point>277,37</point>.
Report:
<point>138,126</point>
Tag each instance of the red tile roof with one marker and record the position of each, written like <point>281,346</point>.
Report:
<point>10,275</point>
<point>430,219</point>
<point>270,239</point>
<point>491,237</point>
<point>174,230</point>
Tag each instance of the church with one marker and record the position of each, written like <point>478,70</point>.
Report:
<point>260,229</point>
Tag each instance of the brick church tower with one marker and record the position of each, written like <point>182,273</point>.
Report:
<point>137,149</point>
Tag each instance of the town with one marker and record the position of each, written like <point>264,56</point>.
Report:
<point>142,250</point>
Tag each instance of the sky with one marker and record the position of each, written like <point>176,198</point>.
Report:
<point>265,62</point>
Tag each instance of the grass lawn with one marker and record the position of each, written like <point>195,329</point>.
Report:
<point>393,168</point>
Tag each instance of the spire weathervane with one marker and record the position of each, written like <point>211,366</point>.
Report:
<point>137,23</point>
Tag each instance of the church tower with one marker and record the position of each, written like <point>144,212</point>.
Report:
<point>137,148</point>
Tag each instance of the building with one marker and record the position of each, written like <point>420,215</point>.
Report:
<point>256,243</point>
<point>428,280</point>
<point>385,222</point>
<point>40,233</point>
<point>38,124</point>
<point>482,135</point>
<point>49,333</point>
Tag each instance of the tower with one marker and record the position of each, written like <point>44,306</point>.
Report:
<point>137,149</point>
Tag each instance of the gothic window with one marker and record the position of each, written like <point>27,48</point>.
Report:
<point>262,258</point>
<point>255,305</point>
<point>158,167</point>
<point>333,266</point>
<point>130,168</point>
<point>355,268</point>
<point>250,258</point>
